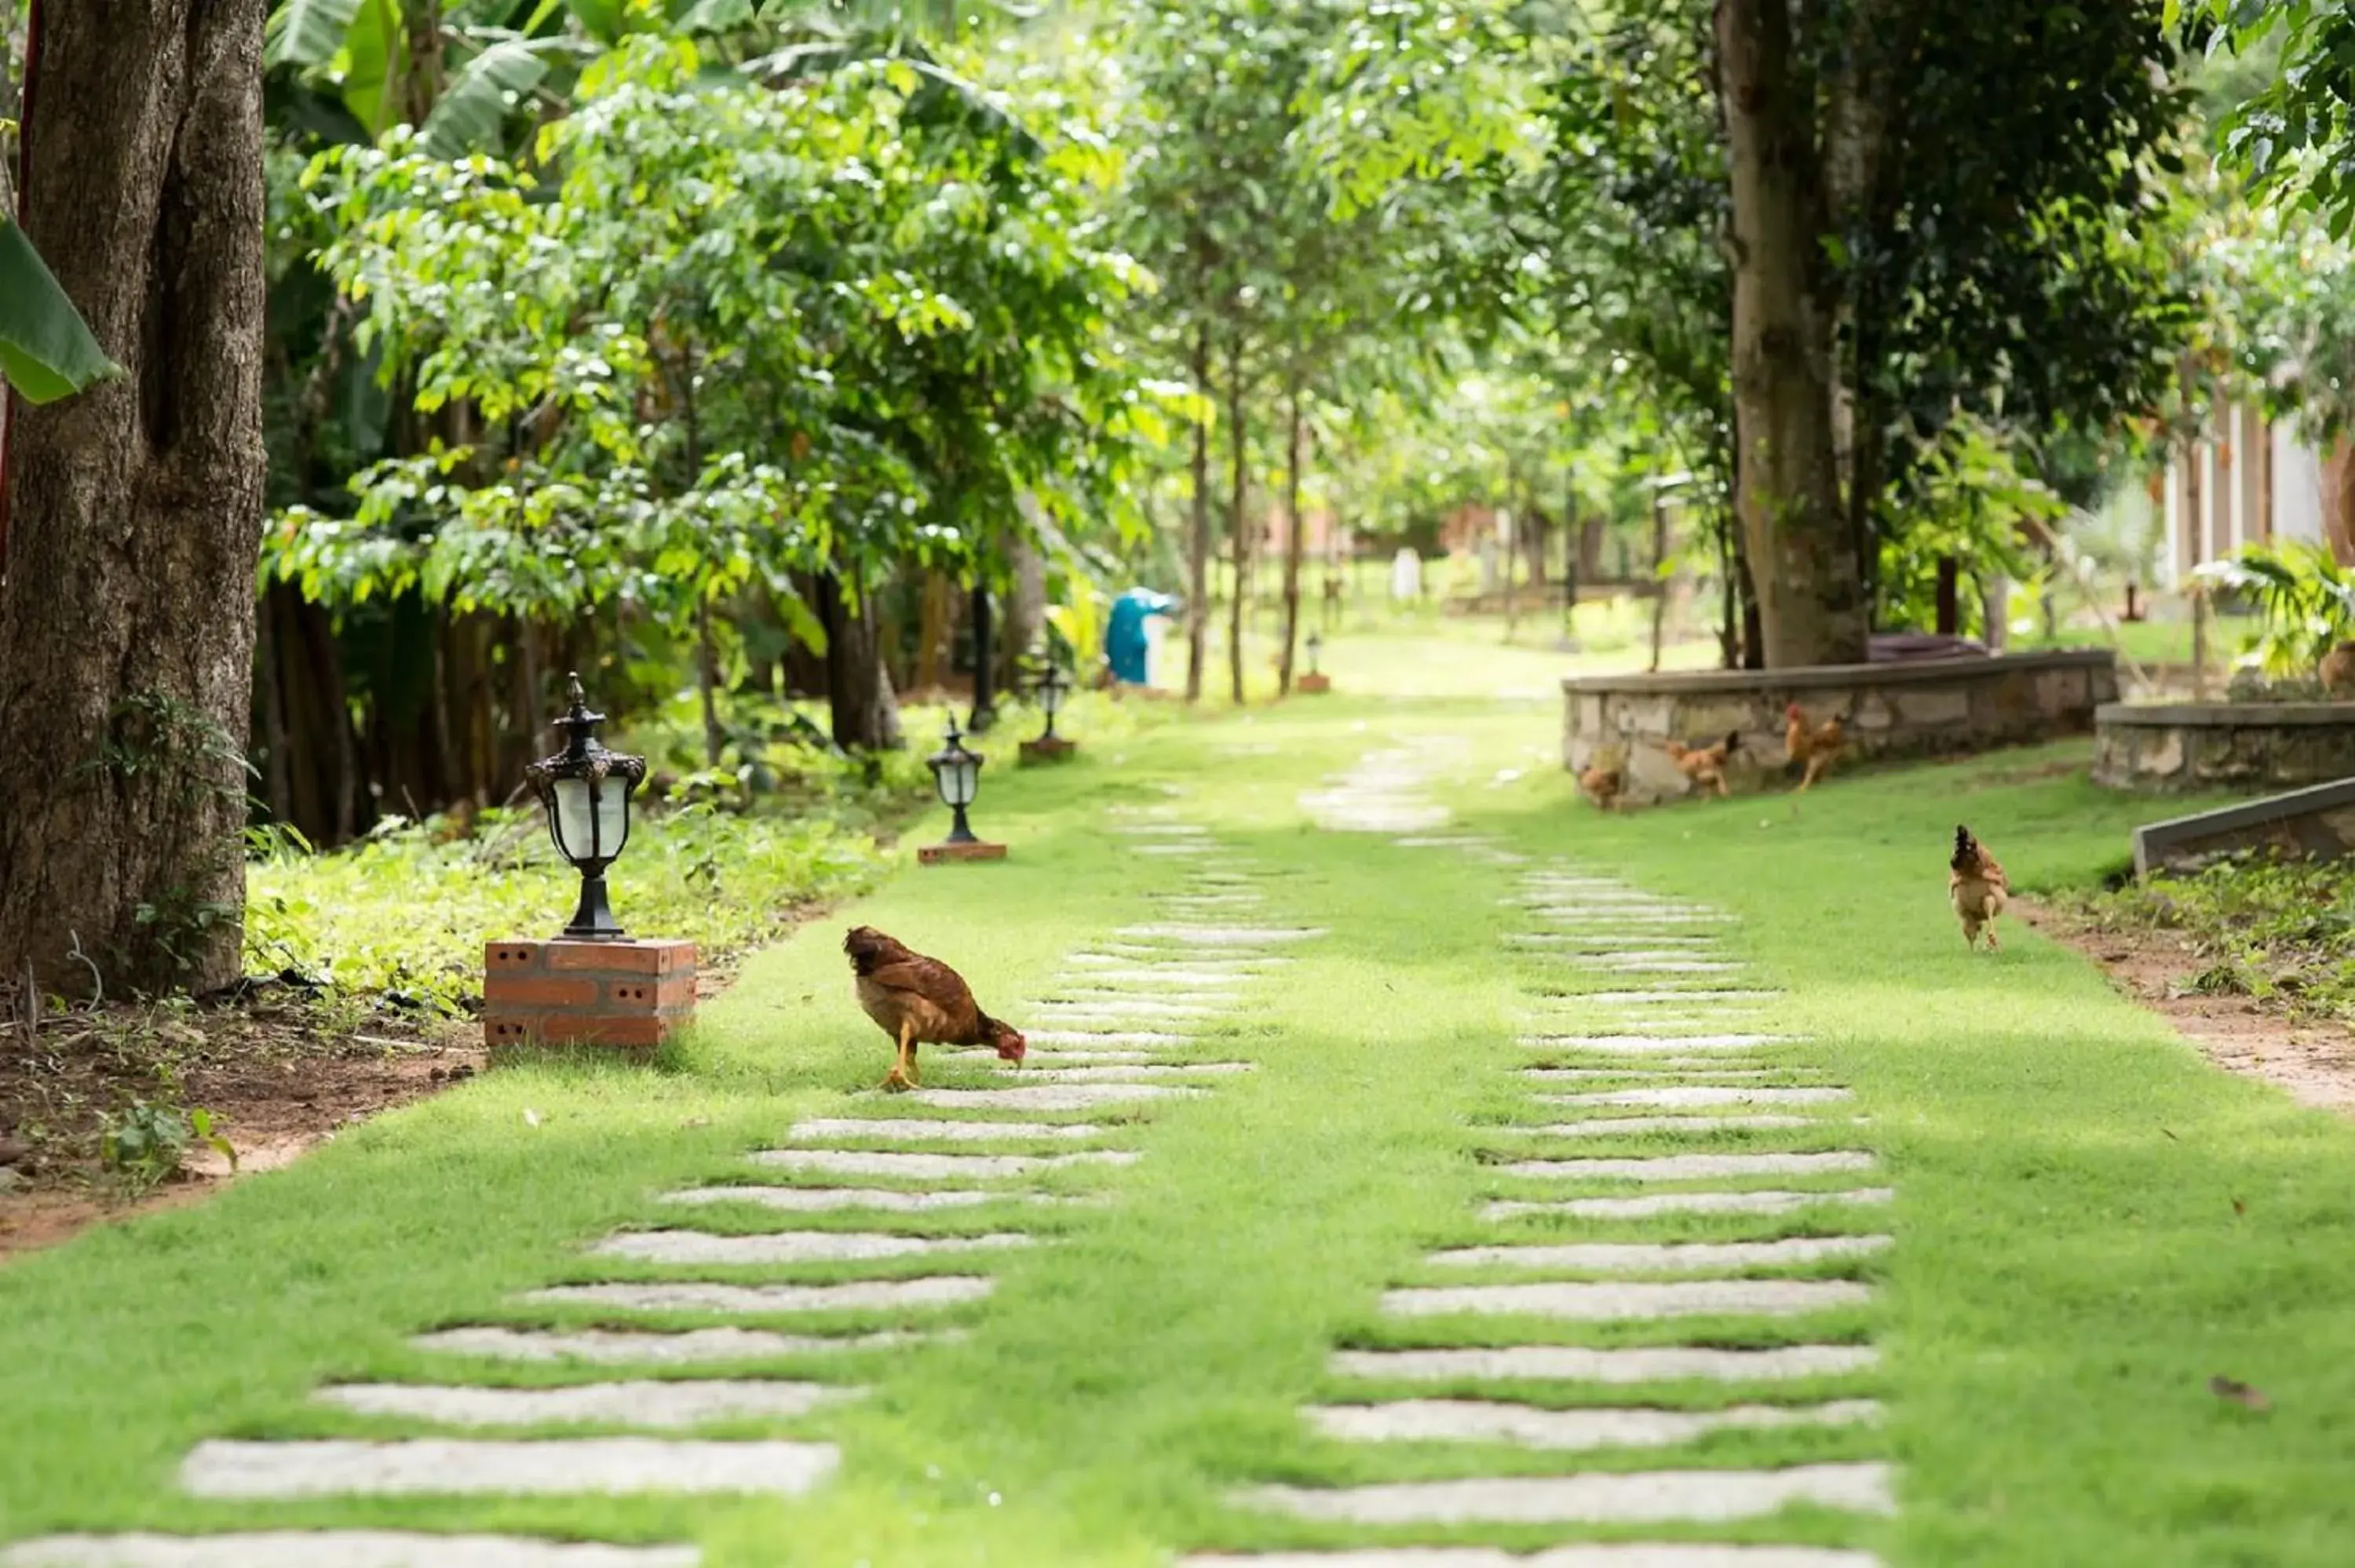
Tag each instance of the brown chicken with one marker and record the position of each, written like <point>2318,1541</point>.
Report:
<point>1814,746</point>
<point>1705,765</point>
<point>917,1001</point>
<point>1975,885</point>
<point>1602,785</point>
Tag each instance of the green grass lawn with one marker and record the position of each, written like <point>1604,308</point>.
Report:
<point>2091,1222</point>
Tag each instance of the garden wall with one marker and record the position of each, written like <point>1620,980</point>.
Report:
<point>2166,747</point>
<point>2317,821</point>
<point>1925,707</point>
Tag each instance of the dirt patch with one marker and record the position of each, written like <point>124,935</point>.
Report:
<point>2312,1060</point>
<point>273,1077</point>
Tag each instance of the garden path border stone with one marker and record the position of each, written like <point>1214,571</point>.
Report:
<point>1633,1498</point>
<point>1692,1167</point>
<point>681,1246</point>
<point>639,1347</point>
<point>700,1295</point>
<point>1574,1430</point>
<point>228,1468</point>
<point>1655,1204</point>
<point>662,1403</point>
<point>1579,1363</point>
<point>1616,1301</point>
<point>334,1549</point>
<point>1666,1257</point>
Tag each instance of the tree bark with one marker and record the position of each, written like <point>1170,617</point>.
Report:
<point>865,716</point>
<point>1197,553</point>
<point>127,615</point>
<point>1802,552</point>
<point>1026,606</point>
<point>1295,537</point>
<point>707,683</point>
<point>982,715</point>
<point>1239,544</point>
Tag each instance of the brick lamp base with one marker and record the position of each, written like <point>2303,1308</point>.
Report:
<point>633,994</point>
<point>933,854</point>
<point>1049,748</point>
<point>1312,686</point>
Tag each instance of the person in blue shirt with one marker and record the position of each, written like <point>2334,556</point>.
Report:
<point>1126,644</point>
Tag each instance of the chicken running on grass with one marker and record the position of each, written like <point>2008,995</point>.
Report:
<point>1975,885</point>
<point>917,1001</point>
<point>1705,765</point>
<point>1816,745</point>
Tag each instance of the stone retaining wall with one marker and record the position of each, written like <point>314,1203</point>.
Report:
<point>2169,747</point>
<point>1910,708</point>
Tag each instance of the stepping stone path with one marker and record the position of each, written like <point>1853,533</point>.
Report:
<point>1107,1024</point>
<point>1567,1252</point>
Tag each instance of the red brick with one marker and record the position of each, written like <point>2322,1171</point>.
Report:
<point>513,957</point>
<point>630,957</point>
<point>504,991</point>
<point>627,997</point>
<point>933,854</point>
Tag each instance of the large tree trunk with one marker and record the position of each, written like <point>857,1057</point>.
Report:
<point>1802,552</point>
<point>1197,548</point>
<point>127,617</point>
<point>866,716</point>
<point>1295,533</point>
<point>1026,608</point>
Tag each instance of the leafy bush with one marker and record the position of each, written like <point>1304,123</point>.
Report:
<point>141,1146</point>
<point>2269,926</point>
<point>2306,600</point>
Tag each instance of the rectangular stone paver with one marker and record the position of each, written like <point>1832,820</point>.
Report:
<point>793,1246</point>
<point>334,1549</point>
<point>220,1467</point>
<point>828,1199</point>
<point>1221,936</point>
<point>1666,1257</point>
<point>666,1404</point>
<point>1693,1167</point>
<point>1704,1095</point>
<point>1619,1301</point>
<point>629,1347</point>
<point>1635,1497</point>
<point>1051,1097</point>
<point>1652,1204</point>
<point>830,1129</point>
<point>1680,1126</point>
<point>1649,1044</point>
<point>951,1167</point>
<point>1687,995</point>
<point>696,1296</point>
<point>1534,1426</point>
<point>1599,1554</point>
<point>1578,1363</point>
<point>1116,1037</point>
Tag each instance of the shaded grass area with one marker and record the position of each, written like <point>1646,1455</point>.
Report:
<point>2072,1266</point>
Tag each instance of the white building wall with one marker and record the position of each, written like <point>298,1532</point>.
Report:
<point>2298,487</point>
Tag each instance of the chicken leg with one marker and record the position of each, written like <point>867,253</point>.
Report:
<point>902,1075</point>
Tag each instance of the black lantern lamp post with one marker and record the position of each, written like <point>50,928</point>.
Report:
<point>1051,688</point>
<point>1048,687</point>
<point>1313,680</point>
<point>956,776</point>
<point>585,790</point>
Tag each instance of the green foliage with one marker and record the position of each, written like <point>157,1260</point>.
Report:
<point>1972,506</point>
<point>141,1146</point>
<point>2293,133</point>
<point>725,879</point>
<point>47,351</point>
<point>2268,925</point>
<point>2305,597</point>
<point>730,334</point>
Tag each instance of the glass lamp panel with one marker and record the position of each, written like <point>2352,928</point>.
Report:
<point>961,778</point>
<point>574,820</point>
<point>1050,695</point>
<point>613,815</point>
